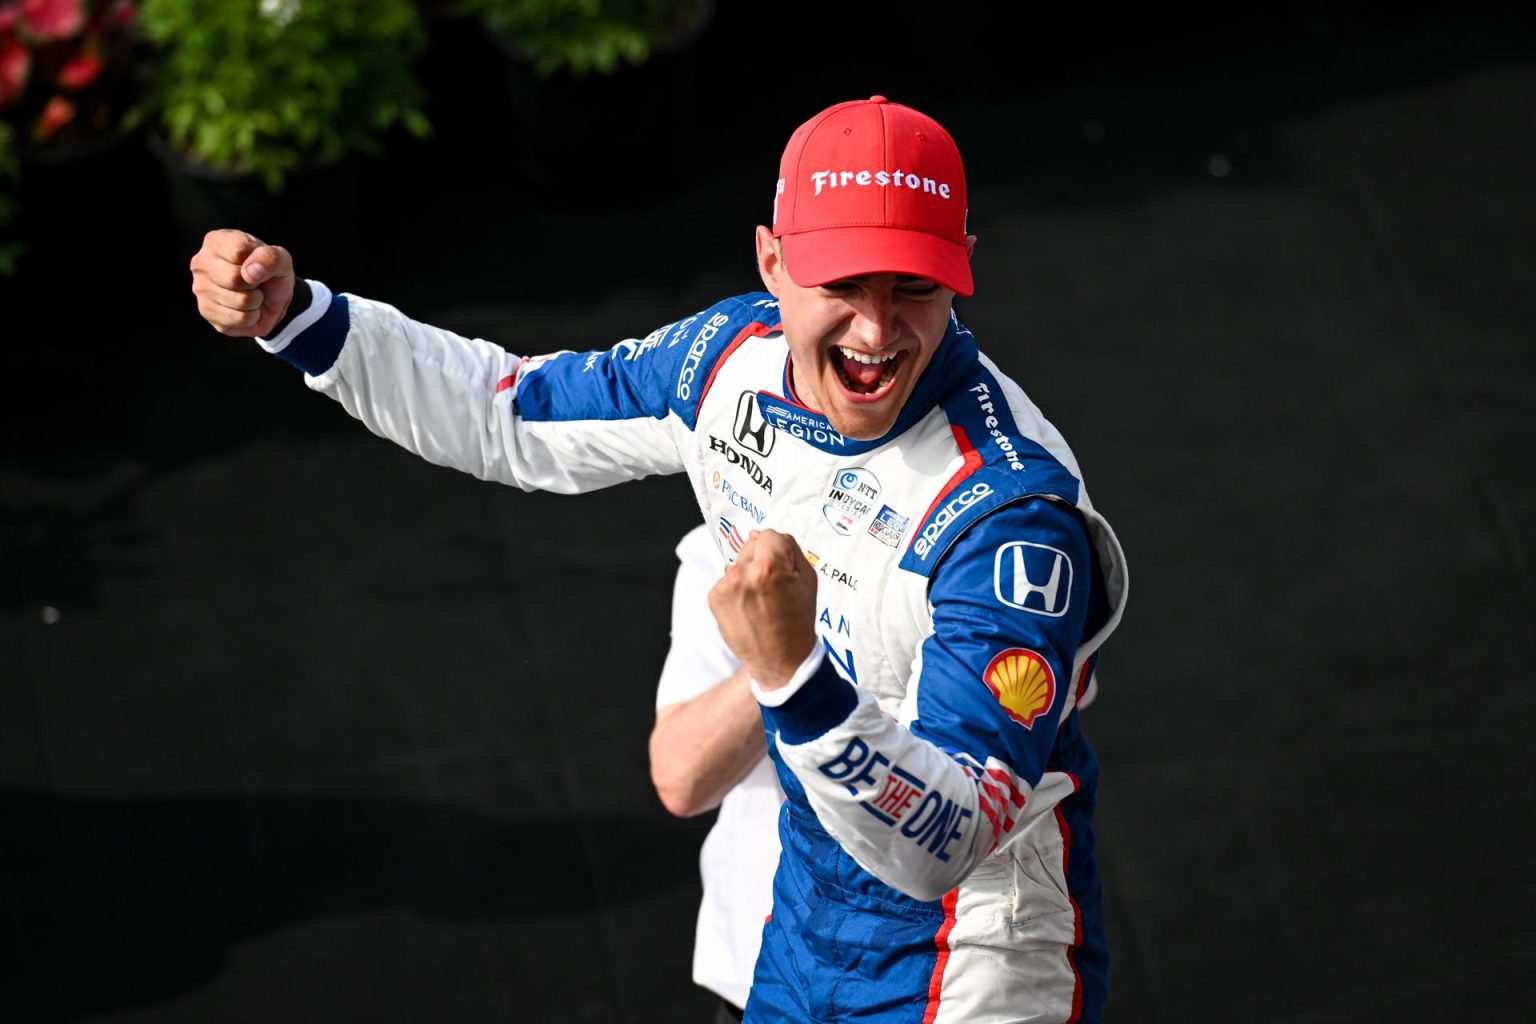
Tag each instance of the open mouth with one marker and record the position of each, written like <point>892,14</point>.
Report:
<point>863,374</point>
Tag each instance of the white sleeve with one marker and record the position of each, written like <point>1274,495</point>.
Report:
<point>699,657</point>
<point>564,422</point>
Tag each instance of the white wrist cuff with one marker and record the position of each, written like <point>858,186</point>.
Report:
<point>319,302</point>
<point>808,667</point>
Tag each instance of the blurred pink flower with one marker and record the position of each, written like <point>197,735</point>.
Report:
<point>53,19</point>
<point>80,72</point>
<point>15,60</point>
<point>8,18</point>
<point>58,113</point>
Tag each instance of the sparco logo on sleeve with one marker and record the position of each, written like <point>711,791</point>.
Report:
<point>696,353</point>
<point>946,515</point>
<point>751,430</point>
<point>1033,577</point>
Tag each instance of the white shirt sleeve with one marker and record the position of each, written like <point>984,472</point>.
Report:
<point>699,657</point>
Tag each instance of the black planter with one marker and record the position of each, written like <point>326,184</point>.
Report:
<point>319,212</point>
<point>604,140</point>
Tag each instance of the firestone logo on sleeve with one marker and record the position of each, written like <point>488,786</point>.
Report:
<point>1004,443</point>
<point>1022,682</point>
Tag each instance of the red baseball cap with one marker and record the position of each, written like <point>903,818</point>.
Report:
<point>869,187</point>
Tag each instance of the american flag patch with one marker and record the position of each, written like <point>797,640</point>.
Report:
<point>732,535</point>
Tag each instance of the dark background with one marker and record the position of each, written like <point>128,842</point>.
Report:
<point>295,727</point>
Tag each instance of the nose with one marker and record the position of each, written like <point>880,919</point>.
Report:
<point>874,324</point>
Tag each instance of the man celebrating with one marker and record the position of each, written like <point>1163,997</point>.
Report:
<point>919,586</point>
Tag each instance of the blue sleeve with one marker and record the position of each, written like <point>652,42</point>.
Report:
<point>1011,600</point>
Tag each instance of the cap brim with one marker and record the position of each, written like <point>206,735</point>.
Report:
<point>830,254</point>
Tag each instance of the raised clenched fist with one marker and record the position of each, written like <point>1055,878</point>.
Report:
<point>243,286</point>
<point>765,605</point>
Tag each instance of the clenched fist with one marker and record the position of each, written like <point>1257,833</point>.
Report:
<point>243,286</point>
<point>765,605</point>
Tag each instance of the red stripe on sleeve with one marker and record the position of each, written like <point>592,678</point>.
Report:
<point>752,330</point>
<point>998,775</point>
<point>509,380</point>
<point>971,464</point>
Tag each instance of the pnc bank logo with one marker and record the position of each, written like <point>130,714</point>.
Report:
<point>1033,578</point>
<point>751,430</point>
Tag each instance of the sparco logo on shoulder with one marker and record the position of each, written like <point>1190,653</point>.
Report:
<point>748,466</point>
<point>952,508</point>
<point>751,430</point>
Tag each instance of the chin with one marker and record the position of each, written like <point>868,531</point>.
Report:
<point>863,424</point>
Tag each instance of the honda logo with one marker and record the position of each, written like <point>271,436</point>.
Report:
<point>752,431</point>
<point>1033,577</point>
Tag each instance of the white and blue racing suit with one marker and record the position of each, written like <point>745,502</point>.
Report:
<point>938,858</point>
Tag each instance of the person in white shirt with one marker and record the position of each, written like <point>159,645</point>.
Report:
<point>708,750</point>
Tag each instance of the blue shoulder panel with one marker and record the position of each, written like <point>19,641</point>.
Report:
<point>666,370</point>
<point>1004,466</point>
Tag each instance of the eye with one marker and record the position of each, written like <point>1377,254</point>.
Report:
<point>919,289</point>
<point>839,287</point>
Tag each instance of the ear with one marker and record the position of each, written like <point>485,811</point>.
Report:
<point>970,246</point>
<point>770,261</point>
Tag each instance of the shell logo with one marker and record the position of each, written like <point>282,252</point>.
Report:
<point>1022,682</point>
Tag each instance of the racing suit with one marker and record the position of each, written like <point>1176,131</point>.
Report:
<point>938,858</point>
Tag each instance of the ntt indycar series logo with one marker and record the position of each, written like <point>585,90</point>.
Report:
<point>850,498</point>
<point>946,515</point>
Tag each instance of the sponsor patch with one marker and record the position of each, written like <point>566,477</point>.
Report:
<point>947,515</point>
<point>898,798</point>
<point>850,498</point>
<point>732,536</point>
<point>804,425</point>
<point>888,526</point>
<point>751,430</point>
<point>746,463</point>
<point>1033,577</point>
<point>735,497</point>
<point>1022,682</point>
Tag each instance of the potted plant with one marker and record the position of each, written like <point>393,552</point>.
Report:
<point>264,87</point>
<point>64,74</point>
<point>587,36</point>
<point>586,79</point>
<point>246,98</point>
<point>10,249</point>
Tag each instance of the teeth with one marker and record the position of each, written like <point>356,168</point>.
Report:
<point>860,357</point>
